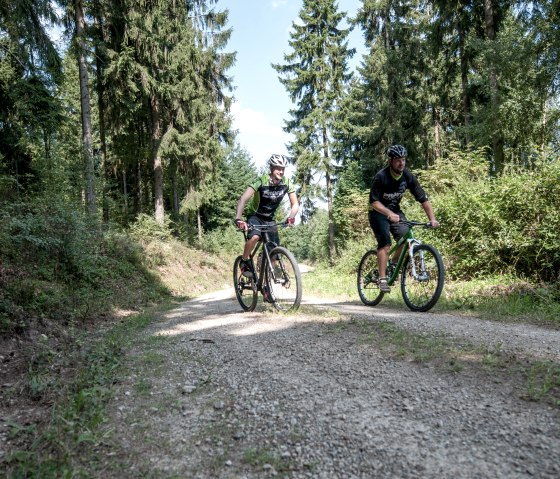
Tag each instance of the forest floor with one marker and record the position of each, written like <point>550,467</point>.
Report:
<point>337,390</point>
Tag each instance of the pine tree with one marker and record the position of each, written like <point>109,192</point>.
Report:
<point>29,110</point>
<point>167,80</point>
<point>315,74</point>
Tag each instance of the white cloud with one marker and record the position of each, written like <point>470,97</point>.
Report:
<point>279,3</point>
<point>259,134</point>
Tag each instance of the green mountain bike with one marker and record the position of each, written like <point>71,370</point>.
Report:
<point>422,275</point>
<point>275,273</point>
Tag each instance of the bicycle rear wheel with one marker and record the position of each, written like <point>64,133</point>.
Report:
<point>422,292</point>
<point>245,288</point>
<point>368,279</point>
<point>283,278</point>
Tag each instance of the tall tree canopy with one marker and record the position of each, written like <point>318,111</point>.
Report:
<point>315,74</point>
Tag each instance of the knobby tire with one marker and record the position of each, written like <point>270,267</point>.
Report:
<point>285,285</point>
<point>423,293</point>
<point>367,280</point>
<point>245,288</point>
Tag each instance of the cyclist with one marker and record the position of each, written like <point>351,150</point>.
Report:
<point>385,215</point>
<point>266,194</point>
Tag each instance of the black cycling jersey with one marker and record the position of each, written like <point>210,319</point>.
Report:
<point>268,196</point>
<point>389,190</point>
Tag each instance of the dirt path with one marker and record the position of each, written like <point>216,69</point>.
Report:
<point>213,392</point>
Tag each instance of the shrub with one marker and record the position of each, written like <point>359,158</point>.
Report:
<point>146,226</point>
<point>502,224</point>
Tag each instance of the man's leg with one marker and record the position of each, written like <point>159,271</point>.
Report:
<point>397,254</point>
<point>398,230</point>
<point>382,255</point>
<point>250,246</point>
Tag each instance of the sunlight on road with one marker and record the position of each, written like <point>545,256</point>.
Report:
<point>218,310</point>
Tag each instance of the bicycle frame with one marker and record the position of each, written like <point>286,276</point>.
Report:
<point>412,241</point>
<point>266,256</point>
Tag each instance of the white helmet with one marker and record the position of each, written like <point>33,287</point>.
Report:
<point>278,160</point>
<point>396,151</point>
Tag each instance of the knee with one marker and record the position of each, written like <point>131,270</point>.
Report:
<point>253,240</point>
<point>383,249</point>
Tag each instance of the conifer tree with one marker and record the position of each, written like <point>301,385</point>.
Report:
<point>29,111</point>
<point>166,65</point>
<point>315,74</point>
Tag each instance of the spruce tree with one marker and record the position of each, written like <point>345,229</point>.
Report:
<point>315,74</point>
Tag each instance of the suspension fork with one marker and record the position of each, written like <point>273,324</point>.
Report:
<point>412,242</point>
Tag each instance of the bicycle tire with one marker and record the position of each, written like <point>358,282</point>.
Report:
<point>284,285</point>
<point>367,279</point>
<point>245,288</point>
<point>422,294</point>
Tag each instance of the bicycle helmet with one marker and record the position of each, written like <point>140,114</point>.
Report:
<point>278,160</point>
<point>396,151</point>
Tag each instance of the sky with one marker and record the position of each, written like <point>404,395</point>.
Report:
<point>261,31</point>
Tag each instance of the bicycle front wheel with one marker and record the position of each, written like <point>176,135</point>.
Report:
<point>283,279</point>
<point>368,279</point>
<point>245,288</point>
<point>422,285</point>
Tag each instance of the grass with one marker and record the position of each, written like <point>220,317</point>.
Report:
<point>534,380</point>
<point>76,367</point>
<point>78,415</point>
<point>499,298</point>
<point>92,363</point>
<point>259,457</point>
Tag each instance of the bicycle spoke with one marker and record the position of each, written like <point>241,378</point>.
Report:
<point>245,288</point>
<point>284,280</point>
<point>422,278</point>
<point>368,276</point>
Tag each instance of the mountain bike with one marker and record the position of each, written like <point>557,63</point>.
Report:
<point>276,275</point>
<point>422,275</point>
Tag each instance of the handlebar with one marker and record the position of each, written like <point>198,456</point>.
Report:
<point>265,228</point>
<point>417,223</point>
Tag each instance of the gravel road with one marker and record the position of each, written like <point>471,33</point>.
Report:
<point>217,393</point>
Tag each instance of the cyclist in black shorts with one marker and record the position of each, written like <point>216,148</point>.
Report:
<point>389,186</point>
<point>263,198</point>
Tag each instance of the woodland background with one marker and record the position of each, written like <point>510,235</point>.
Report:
<point>125,137</point>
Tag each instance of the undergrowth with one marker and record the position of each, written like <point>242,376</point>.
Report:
<point>504,298</point>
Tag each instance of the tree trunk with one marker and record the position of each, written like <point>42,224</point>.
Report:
<point>106,168</point>
<point>329,187</point>
<point>497,137</point>
<point>125,197</point>
<point>87,142</point>
<point>159,213</point>
<point>175,189</point>
<point>199,225</point>
<point>466,101</point>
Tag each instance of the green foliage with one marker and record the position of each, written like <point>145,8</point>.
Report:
<point>351,205</point>
<point>223,241</point>
<point>315,74</point>
<point>146,226</point>
<point>231,180</point>
<point>54,263</point>
<point>433,76</point>
<point>309,241</point>
<point>504,224</point>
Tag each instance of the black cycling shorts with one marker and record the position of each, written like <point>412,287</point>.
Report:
<point>383,228</point>
<point>255,221</point>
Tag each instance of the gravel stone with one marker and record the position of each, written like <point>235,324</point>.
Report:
<point>309,396</point>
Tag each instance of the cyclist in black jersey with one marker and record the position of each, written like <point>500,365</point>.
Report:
<point>389,186</point>
<point>263,198</point>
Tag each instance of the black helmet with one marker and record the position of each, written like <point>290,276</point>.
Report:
<point>396,151</point>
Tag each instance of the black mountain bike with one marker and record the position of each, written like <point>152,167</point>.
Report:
<point>275,274</point>
<point>422,275</point>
